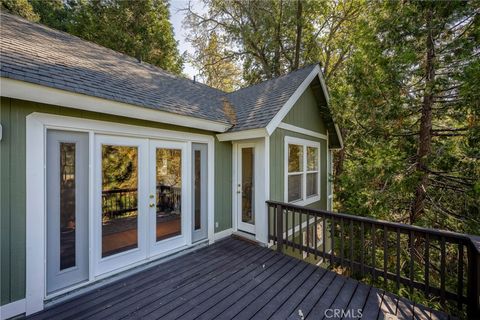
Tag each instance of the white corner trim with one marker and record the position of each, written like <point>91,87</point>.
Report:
<point>242,135</point>
<point>273,124</point>
<point>304,131</point>
<point>223,234</point>
<point>12,309</point>
<point>33,92</point>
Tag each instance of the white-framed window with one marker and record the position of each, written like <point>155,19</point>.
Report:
<point>302,171</point>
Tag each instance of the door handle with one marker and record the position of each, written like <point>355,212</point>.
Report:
<point>152,205</point>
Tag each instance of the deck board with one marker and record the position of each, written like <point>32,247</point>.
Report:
<point>234,279</point>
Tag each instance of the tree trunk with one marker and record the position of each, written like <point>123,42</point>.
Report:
<point>425,134</point>
<point>298,39</point>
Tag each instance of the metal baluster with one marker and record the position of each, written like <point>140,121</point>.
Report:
<point>412,275</point>
<point>324,228</point>
<point>332,250</point>
<point>342,240</point>
<point>316,236</point>
<point>442,271</point>
<point>351,246</point>
<point>308,232</point>
<point>385,255</point>
<point>460,276</point>
<point>427,264</point>
<point>362,249</point>
<point>373,253</point>
<point>398,259</point>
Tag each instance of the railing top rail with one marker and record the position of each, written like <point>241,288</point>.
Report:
<point>471,239</point>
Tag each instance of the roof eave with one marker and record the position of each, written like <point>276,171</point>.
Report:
<point>43,94</point>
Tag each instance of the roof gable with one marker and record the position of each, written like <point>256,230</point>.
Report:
<point>35,54</point>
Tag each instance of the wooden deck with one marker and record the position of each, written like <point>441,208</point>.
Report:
<point>234,279</point>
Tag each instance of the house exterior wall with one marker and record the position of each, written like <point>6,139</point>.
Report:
<point>13,115</point>
<point>304,114</point>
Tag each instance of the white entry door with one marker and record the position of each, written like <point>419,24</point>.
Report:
<point>246,188</point>
<point>169,219</point>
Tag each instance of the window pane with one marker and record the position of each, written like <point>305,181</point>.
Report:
<point>295,158</point>
<point>169,193</point>
<point>312,184</point>
<point>295,187</point>
<point>119,199</point>
<point>67,205</point>
<point>312,159</point>
<point>198,189</point>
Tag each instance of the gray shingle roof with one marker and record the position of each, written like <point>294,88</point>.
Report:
<point>256,105</point>
<point>35,53</point>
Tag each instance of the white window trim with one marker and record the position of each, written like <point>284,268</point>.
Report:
<point>305,143</point>
<point>37,125</point>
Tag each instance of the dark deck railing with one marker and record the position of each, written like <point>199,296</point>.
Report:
<point>118,202</point>
<point>443,265</point>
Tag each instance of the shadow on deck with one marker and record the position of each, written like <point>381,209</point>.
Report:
<point>234,279</point>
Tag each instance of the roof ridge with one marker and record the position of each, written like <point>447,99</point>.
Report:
<point>111,51</point>
<point>275,78</point>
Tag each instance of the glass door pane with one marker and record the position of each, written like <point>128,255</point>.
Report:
<point>199,191</point>
<point>248,215</point>
<point>119,199</point>
<point>168,193</point>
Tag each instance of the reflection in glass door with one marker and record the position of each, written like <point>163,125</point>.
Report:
<point>122,207</point>
<point>119,199</point>
<point>246,188</point>
<point>166,198</point>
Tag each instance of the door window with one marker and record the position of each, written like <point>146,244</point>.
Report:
<point>119,199</point>
<point>169,193</point>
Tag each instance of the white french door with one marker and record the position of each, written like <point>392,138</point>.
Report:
<point>168,221</point>
<point>121,201</point>
<point>142,200</point>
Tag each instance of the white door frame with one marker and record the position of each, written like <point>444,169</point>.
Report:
<point>250,228</point>
<point>36,127</point>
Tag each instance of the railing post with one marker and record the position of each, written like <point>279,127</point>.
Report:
<point>474,279</point>
<point>279,228</point>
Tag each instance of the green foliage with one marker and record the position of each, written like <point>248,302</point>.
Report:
<point>20,7</point>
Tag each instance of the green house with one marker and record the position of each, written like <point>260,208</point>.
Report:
<point>108,163</point>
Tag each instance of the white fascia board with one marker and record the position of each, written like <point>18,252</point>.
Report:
<point>340,138</point>
<point>33,92</point>
<point>273,124</point>
<point>243,135</point>
<point>303,131</point>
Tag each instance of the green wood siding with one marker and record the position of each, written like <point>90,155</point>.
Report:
<point>306,114</point>
<point>277,149</point>
<point>223,185</point>
<point>12,184</point>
